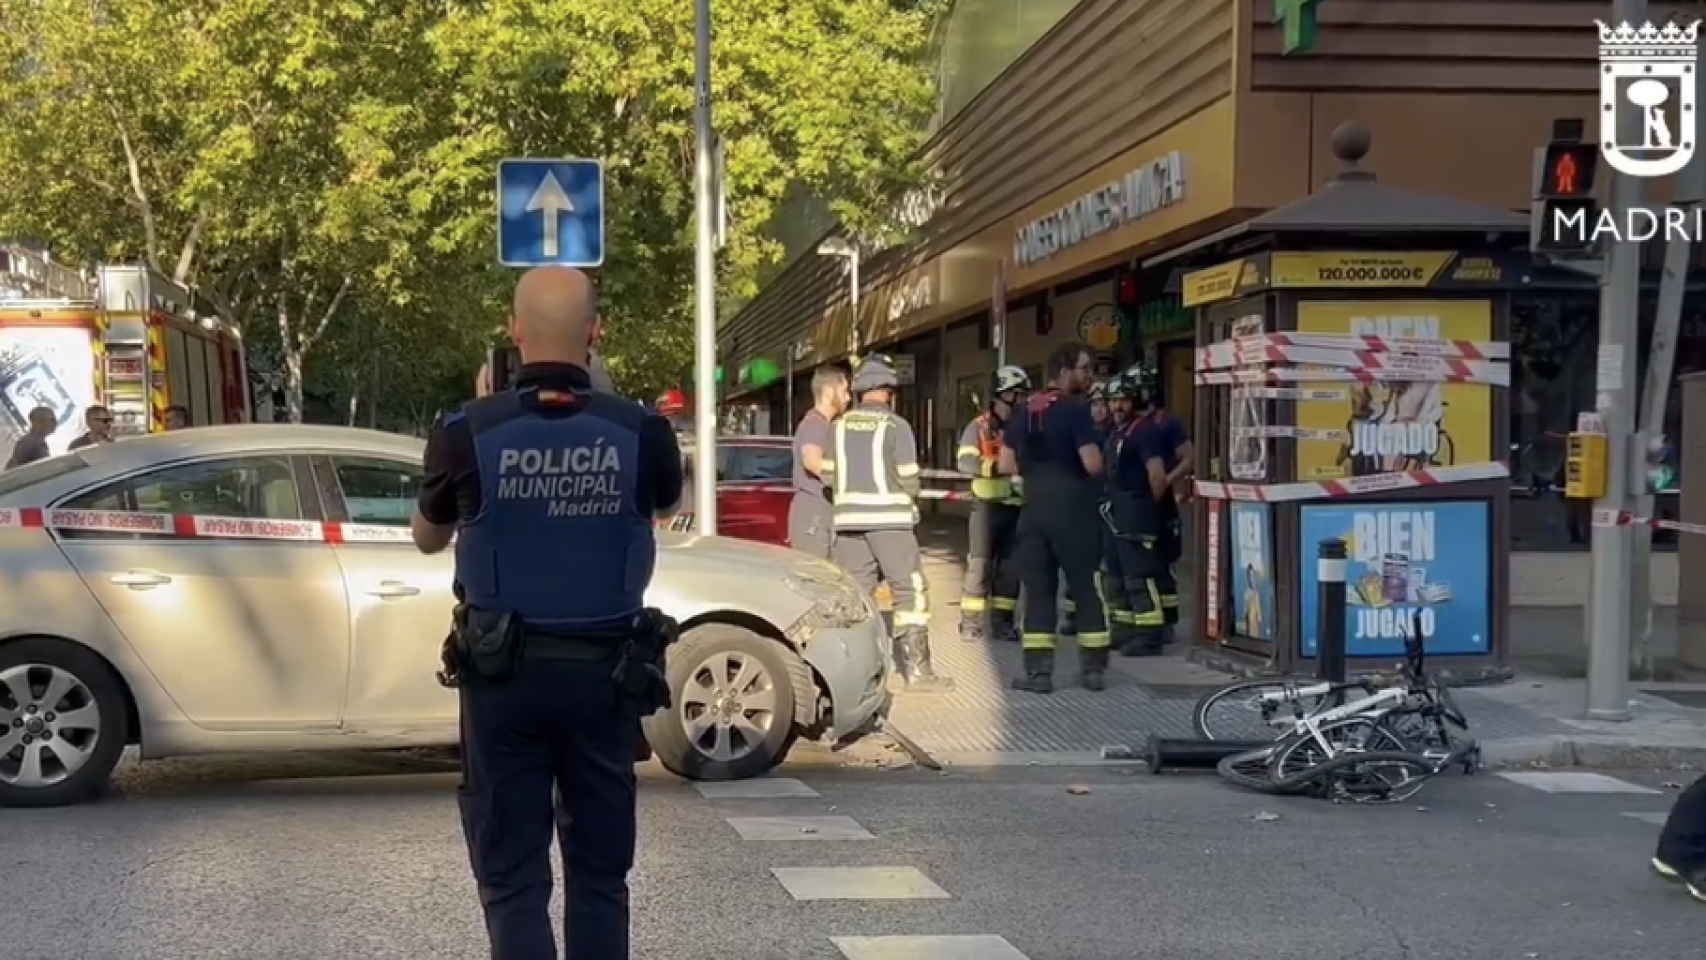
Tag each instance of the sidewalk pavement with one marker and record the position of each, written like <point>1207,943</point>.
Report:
<point>1532,720</point>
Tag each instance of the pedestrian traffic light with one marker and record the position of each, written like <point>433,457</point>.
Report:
<point>1660,473</point>
<point>1564,211</point>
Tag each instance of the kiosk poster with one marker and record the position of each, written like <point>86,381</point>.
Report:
<point>1252,571</point>
<point>1427,561</point>
<point>1248,443</point>
<point>1396,426</point>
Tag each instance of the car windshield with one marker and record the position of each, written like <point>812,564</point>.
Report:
<point>24,477</point>
<point>748,463</point>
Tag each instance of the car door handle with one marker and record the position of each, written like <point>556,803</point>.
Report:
<point>140,579</point>
<point>394,588</point>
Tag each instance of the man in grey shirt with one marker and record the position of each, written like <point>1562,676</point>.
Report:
<point>811,526</point>
<point>32,446</point>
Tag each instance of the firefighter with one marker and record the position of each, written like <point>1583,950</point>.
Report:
<point>1104,424</point>
<point>1052,444</point>
<point>1121,396</point>
<point>1179,457</point>
<point>1136,515</point>
<point>872,472</point>
<point>991,589</point>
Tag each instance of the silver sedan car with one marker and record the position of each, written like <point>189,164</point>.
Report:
<point>253,588</point>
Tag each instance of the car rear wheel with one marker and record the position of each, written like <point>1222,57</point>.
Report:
<point>733,705</point>
<point>62,724</point>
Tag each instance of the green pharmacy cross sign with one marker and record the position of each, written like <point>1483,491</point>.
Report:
<point>1297,20</point>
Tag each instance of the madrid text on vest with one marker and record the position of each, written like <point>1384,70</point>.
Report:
<point>1581,226</point>
<point>579,481</point>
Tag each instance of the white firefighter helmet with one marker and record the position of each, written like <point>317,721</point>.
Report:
<point>1011,378</point>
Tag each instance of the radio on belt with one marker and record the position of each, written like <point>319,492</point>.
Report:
<point>1585,467</point>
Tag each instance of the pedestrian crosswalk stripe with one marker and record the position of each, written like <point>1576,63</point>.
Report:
<point>1656,819</point>
<point>799,828</point>
<point>1574,781</point>
<point>980,947</point>
<point>762,788</point>
<point>858,883</point>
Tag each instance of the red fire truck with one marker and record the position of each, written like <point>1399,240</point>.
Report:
<point>124,337</point>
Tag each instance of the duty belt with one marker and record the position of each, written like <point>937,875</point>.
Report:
<point>547,646</point>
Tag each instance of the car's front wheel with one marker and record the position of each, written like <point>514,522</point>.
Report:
<point>733,705</point>
<point>62,724</point>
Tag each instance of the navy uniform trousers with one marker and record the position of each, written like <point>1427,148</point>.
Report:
<point>552,748</point>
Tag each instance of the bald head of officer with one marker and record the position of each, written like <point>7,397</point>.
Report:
<point>554,319</point>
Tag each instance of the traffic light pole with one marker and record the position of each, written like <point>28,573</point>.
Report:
<point>1613,546</point>
<point>1688,193</point>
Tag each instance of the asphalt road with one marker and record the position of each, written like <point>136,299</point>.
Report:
<point>325,858</point>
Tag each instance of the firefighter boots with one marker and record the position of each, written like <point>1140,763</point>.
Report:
<point>1121,632</point>
<point>1038,672</point>
<point>1144,642</point>
<point>1002,628</point>
<point>974,627</point>
<point>916,671</point>
<point>1093,668</point>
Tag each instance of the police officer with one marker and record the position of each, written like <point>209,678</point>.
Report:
<point>551,491</point>
<point>1053,445</point>
<point>1137,489</point>
<point>991,590</point>
<point>1179,456</point>
<point>872,469</point>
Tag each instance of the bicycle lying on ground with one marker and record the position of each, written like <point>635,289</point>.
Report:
<point>1381,747</point>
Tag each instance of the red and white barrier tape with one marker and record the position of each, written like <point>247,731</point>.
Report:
<point>1350,486</point>
<point>1473,371</point>
<point>1614,518</point>
<point>200,527</point>
<point>1256,349</point>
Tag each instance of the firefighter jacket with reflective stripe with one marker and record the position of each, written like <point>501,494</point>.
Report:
<point>874,473</point>
<point>979,454</point>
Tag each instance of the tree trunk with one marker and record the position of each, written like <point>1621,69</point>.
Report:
<point>293,385</point>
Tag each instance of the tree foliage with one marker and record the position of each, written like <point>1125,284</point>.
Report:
<point>323,170</point>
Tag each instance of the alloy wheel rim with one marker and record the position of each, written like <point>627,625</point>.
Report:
<point>728,706</point>
<point>50,725</point>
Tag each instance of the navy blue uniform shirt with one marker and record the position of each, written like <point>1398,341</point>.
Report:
<point>450,491</point>
<point>1130,448</point>
<point>1066,426</point>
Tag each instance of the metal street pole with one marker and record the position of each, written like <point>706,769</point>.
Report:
<point>1688,191</point>
<point>704,282</point>
<point>1619,303</point>
<point>858,342</point>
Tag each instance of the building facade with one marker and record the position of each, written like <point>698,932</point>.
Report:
<point>1137,127</point>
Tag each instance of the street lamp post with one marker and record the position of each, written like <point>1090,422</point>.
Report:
<point>704,281</point>
<point>840,247</point>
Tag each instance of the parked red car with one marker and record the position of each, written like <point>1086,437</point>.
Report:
<point>755,484</point>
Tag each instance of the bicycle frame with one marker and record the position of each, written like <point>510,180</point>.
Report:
<point>1378,703</point>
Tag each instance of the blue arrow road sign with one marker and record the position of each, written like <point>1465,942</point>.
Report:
<point>551,213</point>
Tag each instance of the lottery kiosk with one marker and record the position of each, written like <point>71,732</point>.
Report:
<point>1352,368</point>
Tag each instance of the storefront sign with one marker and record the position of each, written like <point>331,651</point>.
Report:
<point>1228,281</point>
<point>1212,509</point>
<point>1253,612</point>
<point>1154,186</point>
<point>1396,426</point>
<point>1099,326</point>
<point>912,297</point>
<point>1424,563</point>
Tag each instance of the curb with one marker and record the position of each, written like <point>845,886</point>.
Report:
<point>1568,750</point>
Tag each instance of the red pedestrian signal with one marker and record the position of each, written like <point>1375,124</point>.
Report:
<point>1570,169</point>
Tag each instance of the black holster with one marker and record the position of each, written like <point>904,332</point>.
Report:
<point>482,645</point>
<point>640,665</point>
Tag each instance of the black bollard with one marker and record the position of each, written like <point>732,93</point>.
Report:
<point>1330,612</point>
<point>1165,754</point>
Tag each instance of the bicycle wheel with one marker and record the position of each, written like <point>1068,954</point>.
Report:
<point>1298,755</point>
<point>1375,776</point>
<point>1248,770</point>
<point>1254,709</point>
